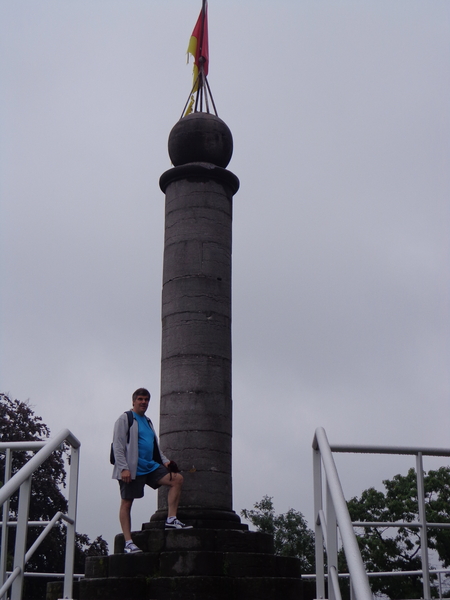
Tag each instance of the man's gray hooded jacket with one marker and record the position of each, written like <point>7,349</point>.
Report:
<point>126,453</point>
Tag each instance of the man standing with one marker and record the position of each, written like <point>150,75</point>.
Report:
<point>139,462</point>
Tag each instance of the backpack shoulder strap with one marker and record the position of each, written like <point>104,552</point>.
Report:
<point>130,417</point>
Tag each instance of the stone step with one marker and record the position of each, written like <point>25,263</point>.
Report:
<point>212,588</point>
<point>192,588</point>
<point>192,563</point>
<point>199,524</point>
<point>229,564</point>
<point>224,540</point>
<point>115,588</point>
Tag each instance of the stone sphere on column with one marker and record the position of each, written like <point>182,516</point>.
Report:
<point>200,137</point>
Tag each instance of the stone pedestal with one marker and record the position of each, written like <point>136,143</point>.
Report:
<point>194,565</point>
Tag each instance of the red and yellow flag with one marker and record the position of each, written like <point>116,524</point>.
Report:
<point>198,44</point>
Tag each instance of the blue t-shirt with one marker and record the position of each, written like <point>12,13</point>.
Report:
<point>146,440</point>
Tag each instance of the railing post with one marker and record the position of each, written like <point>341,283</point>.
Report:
<point>342,516</point>
<point>71,525</point>
<point>5,519</point>
<point>21,537</point>
<point>318,506</point>
<point>352,589</point>
<point>423,529</point>
<point>332,544</point>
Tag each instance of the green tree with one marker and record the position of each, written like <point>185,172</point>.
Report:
<point>18,422</point>
<point>290,531</point>
<point>398,549</point>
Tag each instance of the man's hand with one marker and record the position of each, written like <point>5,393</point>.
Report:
<point>126,476</point>
<point>173,467</point>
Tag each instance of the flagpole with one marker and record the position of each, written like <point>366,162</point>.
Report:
<point>201,59</point>
<point>200,52</point>
<point>203,27</point>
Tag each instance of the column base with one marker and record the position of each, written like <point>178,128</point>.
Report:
<point>200,518</point>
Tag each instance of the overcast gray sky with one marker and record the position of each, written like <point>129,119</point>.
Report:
<point>340,118</point>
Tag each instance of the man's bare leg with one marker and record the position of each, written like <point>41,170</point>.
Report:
<point>175,484</point>
<point>125,518</point>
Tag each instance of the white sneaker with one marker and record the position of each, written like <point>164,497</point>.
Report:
<point>176,524</point>
<point>131,548</point>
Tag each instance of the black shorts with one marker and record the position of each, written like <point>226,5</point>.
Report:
<point>135,489</point>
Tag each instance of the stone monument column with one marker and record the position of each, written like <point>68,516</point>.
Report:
<point>196,402</point>
<point>219,558</point>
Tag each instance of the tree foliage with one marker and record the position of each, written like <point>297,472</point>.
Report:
<point>292,537</point>
<point>398,549</point>
<point>18,422</point>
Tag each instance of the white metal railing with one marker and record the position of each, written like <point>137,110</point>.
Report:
<point>433,573</point>
<point>22,481</point>
<point>334,513</point>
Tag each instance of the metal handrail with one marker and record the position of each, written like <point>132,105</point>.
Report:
<point>382,573</point>
<point>326,525</point>
<point>405,450</point>
<point>38,575</point>
<point>22,481</point>
<point>337,515</point>
<point>434,572</point>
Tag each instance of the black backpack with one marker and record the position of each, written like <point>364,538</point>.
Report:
<point>112,458</point>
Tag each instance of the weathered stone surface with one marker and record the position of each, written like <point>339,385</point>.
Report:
<point>182,564</point>
<point>142,564</point>
<point>206,219</point>
<point>213,410</point>
<point>154,541</point>
<point>97,566</point>
<point>200,518</point>
<point>230,564</point>
<point>194,333</point>
<point>203,489</point>
<point>193,375</point>
<point>206,191</point>
<point>190,258</point>
<point>226,540</point>
<point>115,588</point>
<point>196,563</point>
<point>201,172</point>
<point>193,588</point>
<point>202,294</point>
<point>244,541</point>
<point>194,462</point>
<point>196,325</point>
<point>267,588</point>
<point>218,588</point>
<point>198,442</point>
